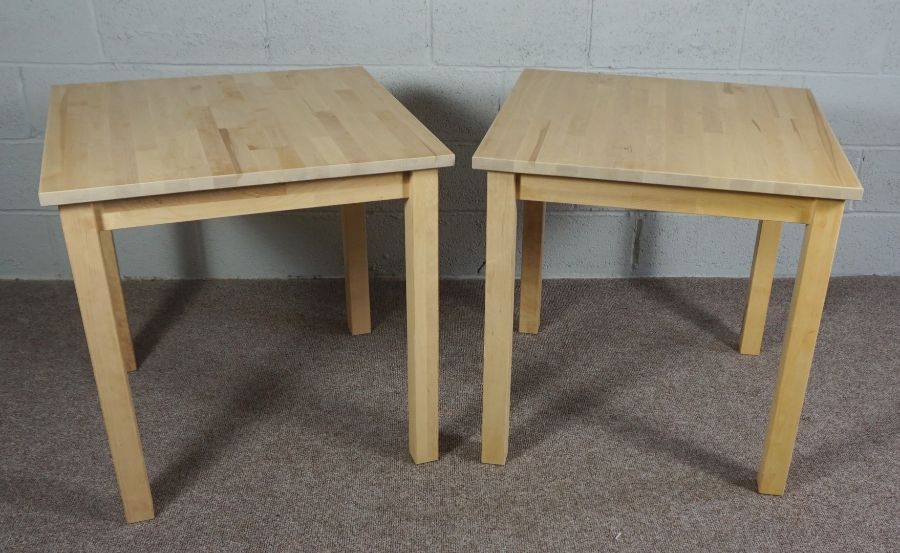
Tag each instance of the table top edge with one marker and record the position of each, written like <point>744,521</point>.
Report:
<point>58,198</point>
<point>809,190</point>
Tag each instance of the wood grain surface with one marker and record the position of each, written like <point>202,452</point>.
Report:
<point>137,138</point>
<point>762,139</point>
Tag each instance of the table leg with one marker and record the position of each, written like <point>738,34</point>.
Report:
<point>532,251</point>
<point>765,257</point>
<point>421,221</point>
<point>500,263</point>
<point>819,243</point>
<point>100,300</point>
<point>356,268</point>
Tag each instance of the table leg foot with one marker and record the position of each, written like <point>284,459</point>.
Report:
<point>532,252</point>
<point>499,285</point>
<point>356,268</point>
<point>100,299</point>
<point>765,257</point>
<point>819,243</point>
<point>421,227</point>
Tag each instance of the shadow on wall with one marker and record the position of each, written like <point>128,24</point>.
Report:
<point>462,229</point>
<point>656,234</point>
<point>452,109</point>
<point>587,244</point>
<point>190,253</point>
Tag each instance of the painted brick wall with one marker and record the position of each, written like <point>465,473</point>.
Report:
<point>452,62</point>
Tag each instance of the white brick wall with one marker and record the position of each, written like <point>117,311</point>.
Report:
<point>452,63</point>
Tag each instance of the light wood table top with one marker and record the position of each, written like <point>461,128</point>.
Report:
<point>137,138</point>
<point>763,139</point>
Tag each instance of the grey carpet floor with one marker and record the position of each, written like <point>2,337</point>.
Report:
<point>636,426</point>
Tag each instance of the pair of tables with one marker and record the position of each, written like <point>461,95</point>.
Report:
<point>138,153</point>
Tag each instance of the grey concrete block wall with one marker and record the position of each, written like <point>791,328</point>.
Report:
<point>332,32</point>
<point>50,31</point>
<point>892,59</point>
<point>13,115</point>
<point>698,34</point>
<point>453,63</point>
<point>881,171</point>
<point>801,34</point>
<point>182,32</point>
<point>501,33</point>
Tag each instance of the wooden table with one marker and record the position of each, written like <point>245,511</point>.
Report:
<point>137,153</point>
<point>753,152</point>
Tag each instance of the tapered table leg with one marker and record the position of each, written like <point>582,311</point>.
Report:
<point>499,285</point>
<point>91,255</point>
<point>356,268</point>
<point>532,252</point>
<point>421,220</point>
<point>765,257</point>
<point>819,243</point>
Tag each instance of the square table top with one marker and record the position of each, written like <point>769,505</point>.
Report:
<point>749,138</point>
<point>145,137</point>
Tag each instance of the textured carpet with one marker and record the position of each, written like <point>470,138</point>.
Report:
<point>635,423</point>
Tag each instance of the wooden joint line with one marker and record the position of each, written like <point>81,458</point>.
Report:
<point>653,197</point>
<point>248,200</point>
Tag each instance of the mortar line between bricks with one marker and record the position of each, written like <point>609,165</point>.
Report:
<point>872,146</point>
<point>32,132</point>
<point>93,8</point>
<point>696,70</point>
<point>224,64</point>
<point>37,139</point>
<point>636,244</point>
<point>266,39</point>
<point>431,32</point>
<point>472,68</point>
<point>29,108</point>
<point>744,33</point>
<point>29,211</point>
<point>871,213</point>
<point>590,34</point>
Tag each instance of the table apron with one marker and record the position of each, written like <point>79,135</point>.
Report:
<point>653,197</point>
<point>248,200</point>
